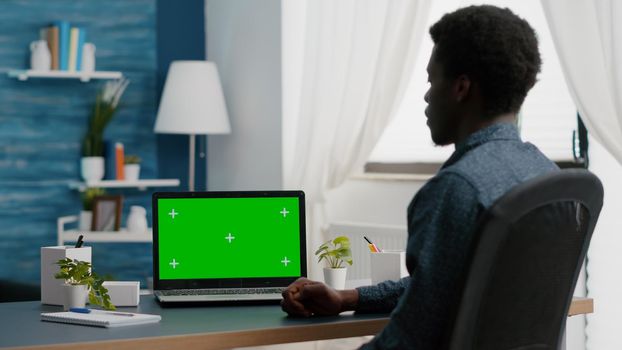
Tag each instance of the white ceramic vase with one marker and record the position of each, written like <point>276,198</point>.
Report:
<point>75,295</point>
<point>40,58</point>
<point>131,172</point>
<point>92,168</point>
<point>137,220</point>
<point>88,57</point>
<point>335,278</point>
<point>85,221</point>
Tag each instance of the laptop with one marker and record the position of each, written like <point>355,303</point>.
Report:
<point>224,247</point>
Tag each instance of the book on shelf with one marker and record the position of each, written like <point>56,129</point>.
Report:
<point>120,160</point>
<point>66,45</point>
<point>73,49</point>
<point>63,44</point>
<point>81,40</point>
<point>114,159</point>
<point>52,39</point>
<point>110,163</point>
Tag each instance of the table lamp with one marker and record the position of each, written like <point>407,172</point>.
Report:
<point>192,104</point>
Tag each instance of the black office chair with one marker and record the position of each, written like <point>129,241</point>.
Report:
<point>527,256</point>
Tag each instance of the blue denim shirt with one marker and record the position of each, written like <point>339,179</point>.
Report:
<point>441,222</point>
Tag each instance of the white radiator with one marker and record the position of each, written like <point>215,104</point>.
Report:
<point>390,237</point>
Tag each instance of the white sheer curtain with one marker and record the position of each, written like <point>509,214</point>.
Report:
<point>588,37</point>
<point>356,63</point>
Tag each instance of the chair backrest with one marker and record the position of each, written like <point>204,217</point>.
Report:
<point>525,261</point>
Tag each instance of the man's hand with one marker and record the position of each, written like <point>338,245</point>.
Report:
<point>305,297</point>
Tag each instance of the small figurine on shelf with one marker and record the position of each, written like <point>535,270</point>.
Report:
<point>131,168</point>
<point>137,220</point>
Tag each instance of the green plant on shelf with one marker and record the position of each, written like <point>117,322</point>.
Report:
<point>106,104</point>
<point>132,159</point>
<point>89,195</point>
<point>77,272</point>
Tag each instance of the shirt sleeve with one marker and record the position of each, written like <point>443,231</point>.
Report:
<point>442,219</point>
<point>382,297</point>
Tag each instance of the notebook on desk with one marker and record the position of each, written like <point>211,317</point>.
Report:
<point>227,246</point>
<point>101,318</point>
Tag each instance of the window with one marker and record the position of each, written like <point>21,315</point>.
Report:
<point>547,119</point>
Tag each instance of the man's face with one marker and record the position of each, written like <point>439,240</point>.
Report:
<point>441,110</point>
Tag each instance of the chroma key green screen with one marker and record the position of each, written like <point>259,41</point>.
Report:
<point>228,237</point>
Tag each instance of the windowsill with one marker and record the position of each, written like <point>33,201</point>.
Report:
<point>391,177</point>
<point>415,171</point>
<point>420,171</point>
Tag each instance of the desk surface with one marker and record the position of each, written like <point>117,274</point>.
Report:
<point>188,328</point>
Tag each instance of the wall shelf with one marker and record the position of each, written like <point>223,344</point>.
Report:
<point>141,184</point>
<point>122,236</point>
<point>23,75</point>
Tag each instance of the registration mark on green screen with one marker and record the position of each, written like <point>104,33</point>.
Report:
<point>228,237</point>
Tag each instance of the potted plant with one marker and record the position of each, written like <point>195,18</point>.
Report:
<point>81,281</point>
<point>131,168</point>
<point>106,102</point>
<point>336,253</point>
<point>86,214</point>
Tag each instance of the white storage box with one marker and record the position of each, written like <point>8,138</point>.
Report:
<point>123,293</point>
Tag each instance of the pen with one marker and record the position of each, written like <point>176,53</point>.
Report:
<point>79,242</point>
<point>80,310</point>
<point>86,310</point>
<point>372,246</point>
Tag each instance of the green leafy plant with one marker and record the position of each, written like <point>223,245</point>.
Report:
<point>89,195</point>
<point>336,252</point>
<point>78,272</point>
<point>131,159</point>
<point>106,104</point>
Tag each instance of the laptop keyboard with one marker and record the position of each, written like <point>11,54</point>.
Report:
<point>212,291</point>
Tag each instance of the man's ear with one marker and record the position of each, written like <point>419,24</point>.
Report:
<point>462,87</point>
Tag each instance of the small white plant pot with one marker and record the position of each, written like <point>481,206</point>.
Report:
<point>75,295</point>
<point>131,172</point>
<point>86,218</point>
<point>92,168</point>
<point>335,278</point>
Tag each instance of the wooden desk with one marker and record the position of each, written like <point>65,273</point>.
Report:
<point>190,328</point>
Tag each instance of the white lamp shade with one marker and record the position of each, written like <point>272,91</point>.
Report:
<point>192,102</point>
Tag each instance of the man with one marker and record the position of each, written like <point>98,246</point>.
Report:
<point>485,60</point>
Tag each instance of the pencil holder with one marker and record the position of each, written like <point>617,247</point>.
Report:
<point>52,288</point>
<point>388,265</point>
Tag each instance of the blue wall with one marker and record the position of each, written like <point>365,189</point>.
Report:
<point>42,122</point>
<point>181,36</point>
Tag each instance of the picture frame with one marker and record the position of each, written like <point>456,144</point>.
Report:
<point>107,213</point>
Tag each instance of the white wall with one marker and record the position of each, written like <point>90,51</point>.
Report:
<point>374,201</point>
<point>244,40</point>
<point>604,283</point>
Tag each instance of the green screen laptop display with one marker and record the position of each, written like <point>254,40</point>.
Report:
<point>206,238</point>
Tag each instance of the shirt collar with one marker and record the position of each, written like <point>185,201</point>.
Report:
<point>498,131</point>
